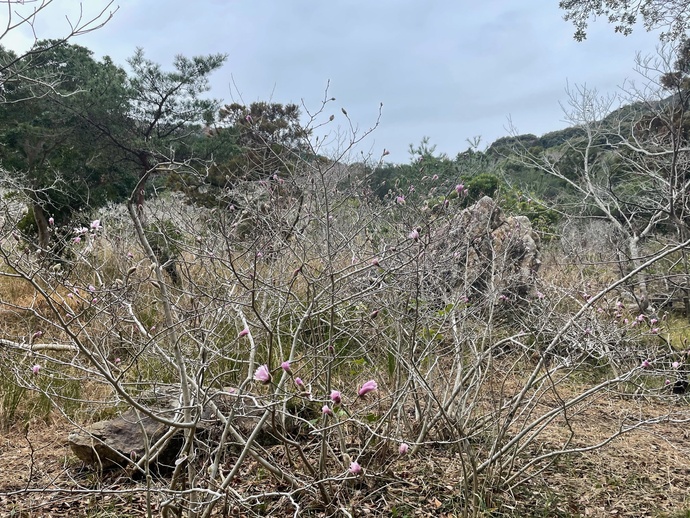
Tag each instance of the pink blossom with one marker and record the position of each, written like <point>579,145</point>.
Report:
<point>51,221</point>
<point>355,468</point>
<point>400,200</point>
<point>375,261</point>
<point>118,361</point>
<point>262,374</point>
<point>286,366</point>
<point>374,313</point>
<point>369,386</point>
<point>654,330</point>
<point>130,255</point>
<point>299,383</point>
<point>244,332</point>
<point>640,318</point>
<point>435,177</point>
<point>675,365</point>
<point>37,334</point>
<point>667,382</point>
<point>414,234</point>
<point>91,288</point>
<point>76,240</point>
<point>386,152</point>
<point>336,397</point>
<point>326,410</point>
<point>404,448</point>
<point>96,224</point>
<point>646,364</point>
<point>653,321</point>
<point>36,369</point>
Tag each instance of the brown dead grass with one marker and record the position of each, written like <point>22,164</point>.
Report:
<point>645,472</point>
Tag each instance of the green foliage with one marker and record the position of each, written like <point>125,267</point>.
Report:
<point>542,218</point>
<point>46,141</point>
<point>88,138</point>
<point>669,15</point>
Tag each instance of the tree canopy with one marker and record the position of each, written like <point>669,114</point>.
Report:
<point>672,16</point>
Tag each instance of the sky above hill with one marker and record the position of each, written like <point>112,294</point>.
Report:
<point>450,70</point>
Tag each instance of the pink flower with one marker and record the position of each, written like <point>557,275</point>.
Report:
<point>640,318</point>
<point>653,321</point>
<point>375,261</point>
<point>404,448</point>
<point>96,224</point>
<point>414,234</point>
<point>51,221</point>
<point>262,374</point>
<point>286,366</point>
<point>675,365</point>
<point>400,200</point>
<point>91,288</point>
<point>118,361</point>
<point>459,188</point>
<point>654,330</point>
<point>336,397</point>
<point>646,364</point>
<point>369,386</point>
<point>37,334</point>
<point>374,313</point>
<point>386,152</point>
<point>36,369</point>
<point>299,383</point>
<point>244,332</point>
<point>355,468</point>
<point>326,410</point>
<point>76,240</point>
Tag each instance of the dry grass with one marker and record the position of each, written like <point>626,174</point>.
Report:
<point>643,473</point>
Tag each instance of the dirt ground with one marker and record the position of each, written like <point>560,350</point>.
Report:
<point>646,472</point>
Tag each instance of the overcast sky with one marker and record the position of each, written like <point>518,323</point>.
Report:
<point>450,70</point>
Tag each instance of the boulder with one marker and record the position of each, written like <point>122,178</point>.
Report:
<point>483,252</point>
<point>110,443</point>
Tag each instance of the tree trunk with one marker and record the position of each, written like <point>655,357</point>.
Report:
<point>633,248</point>
<point>42,226</point>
